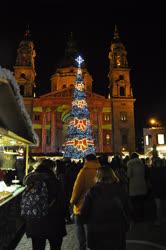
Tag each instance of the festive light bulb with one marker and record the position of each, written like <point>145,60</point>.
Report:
<point>79,140</point>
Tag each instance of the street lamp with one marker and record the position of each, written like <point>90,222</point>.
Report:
<point>154,124</point>
<point>153,121</point>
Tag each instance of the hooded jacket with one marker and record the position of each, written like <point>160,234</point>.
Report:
<point>52,225</point>
<point>136,175</point>
<point>84,181</point>
<point>104,216</point>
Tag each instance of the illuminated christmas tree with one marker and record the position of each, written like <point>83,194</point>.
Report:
<point>79,141</point>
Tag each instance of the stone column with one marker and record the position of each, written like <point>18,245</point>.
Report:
<point>44,132</point>
<point>100,130</point>
<point>53,129</point>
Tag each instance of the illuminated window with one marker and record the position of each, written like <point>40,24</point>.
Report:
<point>123,116</point>
<point>106,117</point>
<point>147,140</point>
<point>108,138</point>
<point>118,61</point>
<point>160,138</point>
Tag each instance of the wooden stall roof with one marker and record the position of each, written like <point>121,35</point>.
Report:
<point>8,138</point>
<point>11,117</point>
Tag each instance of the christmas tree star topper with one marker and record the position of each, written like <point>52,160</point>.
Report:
<point>79,60</point>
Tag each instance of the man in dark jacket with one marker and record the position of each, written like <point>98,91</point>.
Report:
<point>157,176</point>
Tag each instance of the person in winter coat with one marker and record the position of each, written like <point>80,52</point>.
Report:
<point>157,177</point>
<point>137,185</point>
<point>84,181</point>
<point>118,168</point>
<point>51,226</point>
<point>106,212</point>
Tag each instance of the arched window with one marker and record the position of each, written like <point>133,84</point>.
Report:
<point>124,140</point>
<point>108,139</point>
<point>124,136</point>
<point>122,91</point>
<point>123,116</point>
<point>23,76</point>
<point>106,117</point>
<point>121,77</point>
<point>22,90</point>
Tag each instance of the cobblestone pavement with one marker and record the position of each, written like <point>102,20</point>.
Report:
<point>69,241</point>
<point>142,237</point>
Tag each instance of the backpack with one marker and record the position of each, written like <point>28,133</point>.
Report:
<point>34,203</point>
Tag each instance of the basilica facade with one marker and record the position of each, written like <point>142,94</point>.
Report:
<point>112,118</point>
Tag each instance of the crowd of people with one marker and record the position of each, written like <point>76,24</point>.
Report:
<point>103,199</point>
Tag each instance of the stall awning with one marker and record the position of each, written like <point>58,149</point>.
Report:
<point>11,117</point>
<point>10,139</point>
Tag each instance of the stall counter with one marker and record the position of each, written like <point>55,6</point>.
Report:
<point>12,226</point>
<point>11,195</point>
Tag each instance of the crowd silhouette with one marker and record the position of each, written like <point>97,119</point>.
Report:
<point>103,199</point>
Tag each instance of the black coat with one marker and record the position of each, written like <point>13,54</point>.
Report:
<point>52,225</point>
<point>157,176</point>
<point>104,219</point>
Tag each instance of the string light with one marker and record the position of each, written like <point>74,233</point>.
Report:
<point>79,141</point>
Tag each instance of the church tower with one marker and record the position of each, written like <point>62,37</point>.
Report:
<point>24,71</point>
<point>122,100</point>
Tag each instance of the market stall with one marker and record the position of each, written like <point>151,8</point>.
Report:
<point>11,223</point>
<point>16,134</point>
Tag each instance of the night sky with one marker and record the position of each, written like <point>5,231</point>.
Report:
<point>142,31</point>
